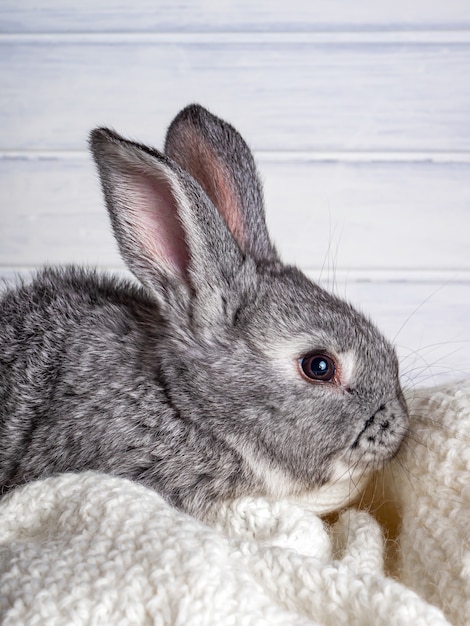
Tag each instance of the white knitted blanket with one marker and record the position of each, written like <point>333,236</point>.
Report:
<point>92,549</point>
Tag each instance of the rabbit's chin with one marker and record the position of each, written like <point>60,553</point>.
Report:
<point>345,486</point>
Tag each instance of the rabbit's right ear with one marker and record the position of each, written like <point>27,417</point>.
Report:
<point>216,155</point>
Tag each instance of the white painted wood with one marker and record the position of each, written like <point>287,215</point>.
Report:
<point>311,97</point>
<point>448,37</point>
<point>230,15</point>
<point>357,217</point>
<point>359,113</point>
<point>351,216</point>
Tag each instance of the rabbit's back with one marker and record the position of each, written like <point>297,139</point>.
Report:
<point>71,359</point>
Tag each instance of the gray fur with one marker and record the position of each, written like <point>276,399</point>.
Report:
<point>189,383</point>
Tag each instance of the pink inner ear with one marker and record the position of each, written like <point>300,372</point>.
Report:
<point>196,157</point>
<point>219,186</point>
<point>153,219</point>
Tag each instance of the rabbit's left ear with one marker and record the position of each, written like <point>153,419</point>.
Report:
<point>170,235</point>
<point>218,158</point>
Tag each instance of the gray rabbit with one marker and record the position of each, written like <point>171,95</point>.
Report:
<point>225,372</point>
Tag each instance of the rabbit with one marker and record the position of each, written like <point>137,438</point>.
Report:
<point>222,372</point>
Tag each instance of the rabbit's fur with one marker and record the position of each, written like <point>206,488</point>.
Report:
<point>191,383</point>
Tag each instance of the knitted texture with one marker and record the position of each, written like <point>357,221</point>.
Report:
<point>88,548</point>
<point>431,483</point>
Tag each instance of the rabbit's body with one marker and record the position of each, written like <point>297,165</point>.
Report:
<point>83,384</point>
<point>226,373</point>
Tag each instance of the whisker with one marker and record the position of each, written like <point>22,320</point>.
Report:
<point>328,252</point>
<point>420,306</point>
<point>445,427</point>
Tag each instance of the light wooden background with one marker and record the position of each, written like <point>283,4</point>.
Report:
<point>358,113</point>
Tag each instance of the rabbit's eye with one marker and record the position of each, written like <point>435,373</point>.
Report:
<point>318,367</point>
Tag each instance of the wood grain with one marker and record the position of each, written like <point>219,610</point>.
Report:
<point>230,15</point>
<point>400,217</point>
<point>282,96</point>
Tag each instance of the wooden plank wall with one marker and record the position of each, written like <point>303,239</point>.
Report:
<point>358,113</point>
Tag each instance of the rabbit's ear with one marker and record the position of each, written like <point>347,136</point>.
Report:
<point>215,155</point>
<point>168,231</point>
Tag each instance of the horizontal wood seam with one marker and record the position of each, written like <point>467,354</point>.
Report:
<point>437,36</point>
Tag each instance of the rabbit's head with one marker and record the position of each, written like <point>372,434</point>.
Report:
<point>251,350</point>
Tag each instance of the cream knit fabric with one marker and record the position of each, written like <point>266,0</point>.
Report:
<point>93,549</point>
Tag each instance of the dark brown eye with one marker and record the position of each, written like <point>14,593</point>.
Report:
<point>318,367</point>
